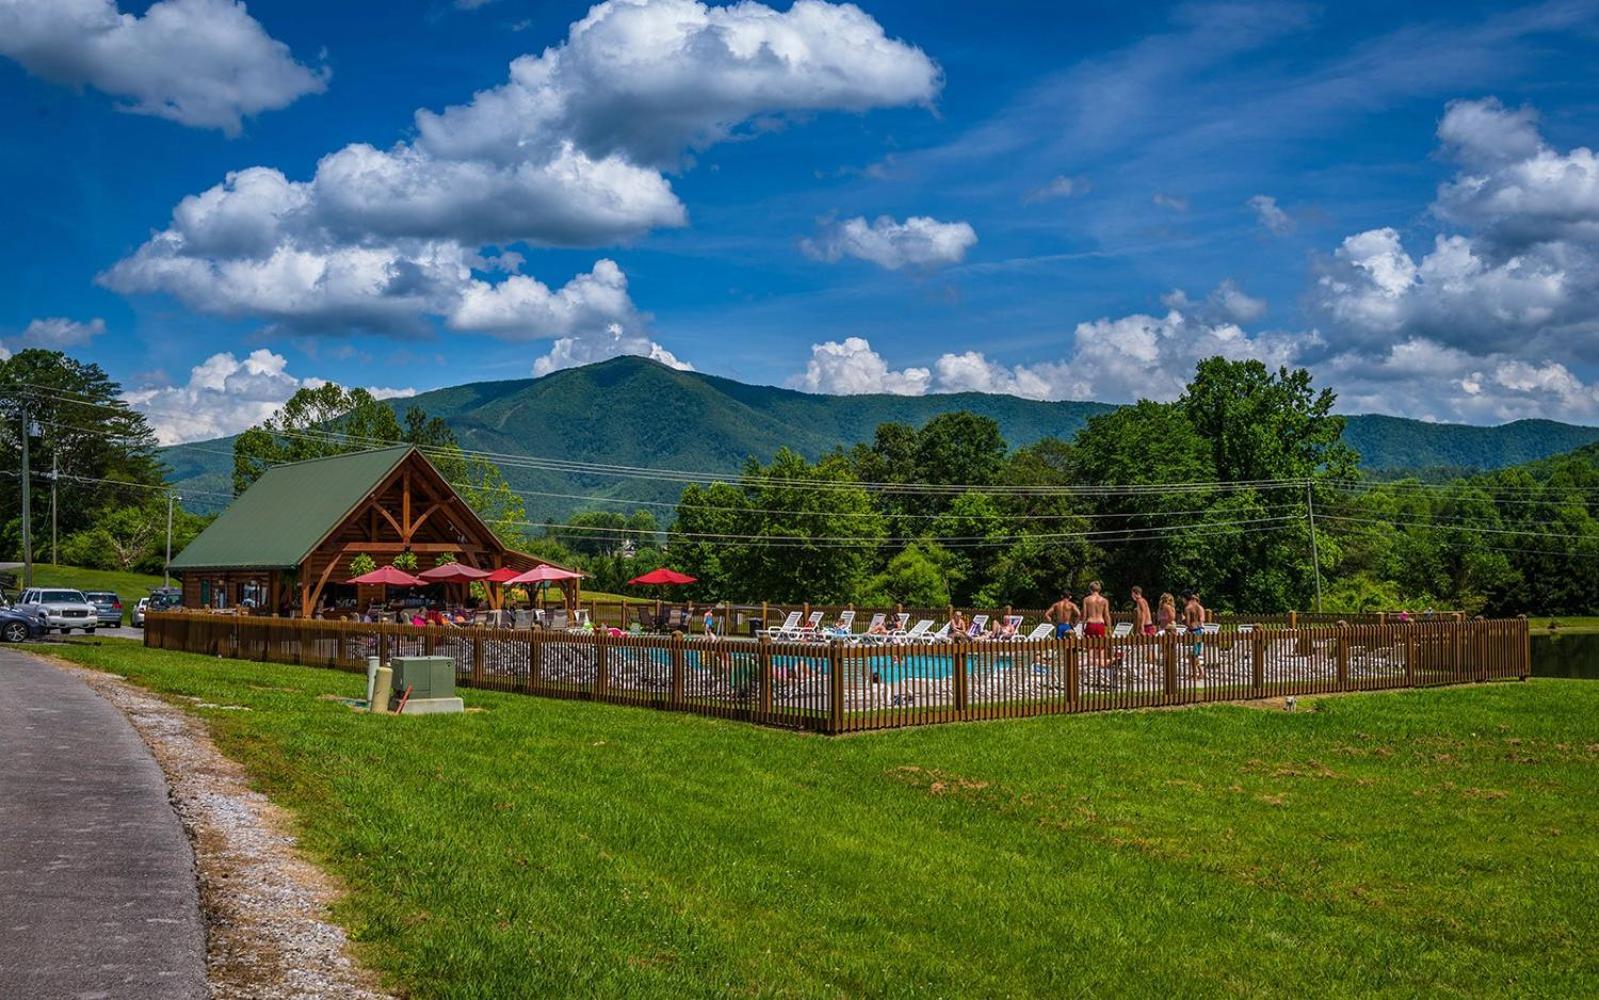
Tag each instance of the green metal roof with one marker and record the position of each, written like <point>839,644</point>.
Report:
<point>278,521</point>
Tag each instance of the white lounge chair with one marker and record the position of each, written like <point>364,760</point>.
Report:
<point>917,633</point>
<point>1210,628</point>
<point>871,635</point>
<point>1043,630</point>
<point>942,635</point>
<point>978,625</point>
<point>1246,628</point>
<point>1122,630</point>
<point>809,628</point>
<point>845,629</point>
<point>788,630</point>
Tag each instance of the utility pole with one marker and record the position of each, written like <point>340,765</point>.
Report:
<point>1315,556</point>
<point>166,571</point>
<point>27,507</point>
<point>55,468</point>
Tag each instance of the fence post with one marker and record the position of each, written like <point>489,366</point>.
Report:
<point>477,657</point>
<point>835,687</point>
<point>1257,663</point>
<point>959,677</point>
<point>602,680</point>
<point>677,669</point>
<point>763,660</point>
<point>535,661</point>
<point>1293,619</point>
<point>1343,659</point>
<point>1410,656</point>
<point>1074,672</point>
<point>1170,650</point>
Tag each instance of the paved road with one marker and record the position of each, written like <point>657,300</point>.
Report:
<point>97,889</point>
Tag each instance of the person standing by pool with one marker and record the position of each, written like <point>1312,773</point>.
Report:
<point>1166,615</point>
<point>1096,613</point>
<point>1194,618</point>
<point>1142,623</point>
<point>1064,615</point>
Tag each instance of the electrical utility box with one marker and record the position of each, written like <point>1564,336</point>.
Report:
<point>428,677</point>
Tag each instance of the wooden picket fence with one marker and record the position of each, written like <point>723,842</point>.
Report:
<point>838,687</point>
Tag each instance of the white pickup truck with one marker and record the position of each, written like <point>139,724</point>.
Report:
<point>57,607</point>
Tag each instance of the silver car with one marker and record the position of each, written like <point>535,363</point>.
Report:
<point>59,608</point>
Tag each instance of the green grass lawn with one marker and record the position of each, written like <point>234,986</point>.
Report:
<point>1435,842</point>
<point>129,586</point>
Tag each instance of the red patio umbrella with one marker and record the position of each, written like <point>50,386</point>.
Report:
<point>389,576</point>
<point>663,577</point>
<point>454,573</point>
<point>504,574</point>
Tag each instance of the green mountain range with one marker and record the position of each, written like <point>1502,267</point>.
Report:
<point>634,412</point>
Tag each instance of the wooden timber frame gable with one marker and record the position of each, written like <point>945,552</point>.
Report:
<point>412,509</point>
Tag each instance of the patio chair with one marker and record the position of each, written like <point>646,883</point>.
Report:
<point>811,626</point>
<point>978,626</point>
<point>556,619</point>
<point>1246,629</point>
<point>1043,630</point>
<point>846,625</point>
<point>1122,630</point>
<point>942,635</point>
<point>879,620</point>
<point>646,619</point>
<point>917,633</point>
<point>788,630</point>
<point>523,618</point>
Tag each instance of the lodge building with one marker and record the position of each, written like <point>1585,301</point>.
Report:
<point>285,545</point>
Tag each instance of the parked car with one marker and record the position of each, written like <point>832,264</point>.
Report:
<point>57,607</point>
<point>107,606</point>
<point>19,626</point>
<point>159,600</point>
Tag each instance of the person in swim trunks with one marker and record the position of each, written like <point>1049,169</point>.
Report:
<point>1194,618</point>
<point>1096,612</point>
<point>1143,624</point>
<point>1063,613</point>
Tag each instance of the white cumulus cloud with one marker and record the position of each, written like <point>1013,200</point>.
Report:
<point>850,367</point>
<point>570,151</point>
<point>224,395</point>
<point>203,63</point>
<point>918,242</point>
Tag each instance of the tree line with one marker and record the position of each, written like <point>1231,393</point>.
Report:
<point>1216,491</point>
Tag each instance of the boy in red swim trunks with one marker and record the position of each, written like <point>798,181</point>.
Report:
<point>1096,612</point>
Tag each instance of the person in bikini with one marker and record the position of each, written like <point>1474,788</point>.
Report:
<point>1143,624</point>
<point>1063,614</point>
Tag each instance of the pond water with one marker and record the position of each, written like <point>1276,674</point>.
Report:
<point>1573,655</point>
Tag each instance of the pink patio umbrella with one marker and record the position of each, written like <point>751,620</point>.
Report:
<point>544,574</point>
<point>454,573</point>
<point>388,576</point>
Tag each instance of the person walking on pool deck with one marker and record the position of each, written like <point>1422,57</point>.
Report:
<point>1142,623</point>
<point>1166,616</point>
<point>1096,613</point>
<point>1194,618</point>
<point>1063,613</point>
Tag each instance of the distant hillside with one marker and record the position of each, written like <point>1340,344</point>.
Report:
<point>1392,443</point>
<point>630,411</point>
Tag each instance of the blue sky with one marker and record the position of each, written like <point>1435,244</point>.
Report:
<point>1061,201</point>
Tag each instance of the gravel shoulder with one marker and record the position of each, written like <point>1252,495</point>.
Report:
<point>268,934</point>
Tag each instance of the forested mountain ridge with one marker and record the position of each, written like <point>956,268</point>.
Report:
<point>635,412</point>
